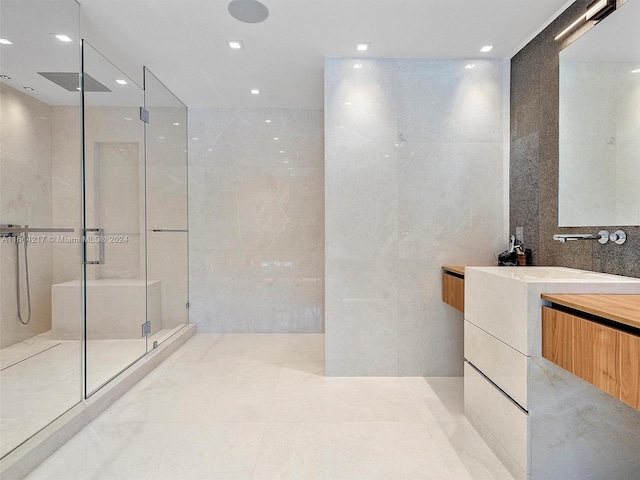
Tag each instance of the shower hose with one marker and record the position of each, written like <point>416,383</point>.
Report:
<point>26,274</point>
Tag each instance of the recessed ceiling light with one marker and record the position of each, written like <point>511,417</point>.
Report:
<point>176,123</point>
<point>282,151</point>
<point>194,138</point>
<point>255,91</point>
<point>236,45</point>
<point>4,41</point>
<point>486,48</point>
<point>28,88</point>
<point>276,138</point>
<point>363,46</point>
<point>637,70</point>
<point>267,121</point>
<point>121,82</point>
<point>5,77</point>
<point>161,138</point>
<point>127,118</point>
<point>63,38</point>
<point>347,103</point>
<point>357,65</point>
<point>470,65</point>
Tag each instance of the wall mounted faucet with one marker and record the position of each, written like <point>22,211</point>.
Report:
<point>603,236</point>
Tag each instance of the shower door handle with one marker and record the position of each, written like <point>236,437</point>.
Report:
<point>101,242</point>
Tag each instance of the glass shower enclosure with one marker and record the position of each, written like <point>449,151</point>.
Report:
<point>93,217</point>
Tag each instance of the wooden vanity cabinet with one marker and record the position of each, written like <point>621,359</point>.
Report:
<point>557,330</point>
<point>603,356</point>
<point>453,287</point>
<point>630,370</point>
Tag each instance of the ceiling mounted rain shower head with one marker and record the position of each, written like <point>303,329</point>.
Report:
<point>71,81</point>
<point>248,11</point>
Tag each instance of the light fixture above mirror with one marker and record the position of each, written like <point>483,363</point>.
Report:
<point>596,11</point>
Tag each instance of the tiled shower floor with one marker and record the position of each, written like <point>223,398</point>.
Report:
<point>248,406</point>
<point>40,379</point>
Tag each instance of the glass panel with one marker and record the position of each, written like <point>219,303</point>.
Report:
<point>114,206</point>
<point>167,258</point>
<point>40,185</point>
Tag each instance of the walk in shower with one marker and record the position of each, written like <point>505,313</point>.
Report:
<point>93,216</point>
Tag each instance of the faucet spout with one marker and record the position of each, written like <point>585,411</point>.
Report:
<point>602,236</point>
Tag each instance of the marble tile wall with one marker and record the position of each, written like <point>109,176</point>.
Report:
<point>66,172</point>
<point>414,179</point>
<point>256,220</point>
<point>534,170</point>
<point>25,199</point>
<point>166,189</point>
<point>167,194</point>
<point>114,147</point>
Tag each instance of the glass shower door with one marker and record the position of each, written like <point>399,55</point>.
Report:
<point>40,251</point>
<point>115,281</point>
<point>167,254</point>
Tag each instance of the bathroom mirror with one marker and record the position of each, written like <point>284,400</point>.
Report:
<point>599,171</point>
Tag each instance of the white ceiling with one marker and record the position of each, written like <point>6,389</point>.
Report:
<point>184,42</point>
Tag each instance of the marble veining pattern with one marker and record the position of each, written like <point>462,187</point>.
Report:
<point>25,199</point>
<point>259,407</point>
<point>256,220</point>
<point>414,180</point>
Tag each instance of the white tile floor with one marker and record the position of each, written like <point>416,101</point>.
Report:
<point>242,406</point>
<point>40,379</point>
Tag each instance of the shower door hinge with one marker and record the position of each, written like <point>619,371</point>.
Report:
<point>146,328</point>
<point>144,115</point>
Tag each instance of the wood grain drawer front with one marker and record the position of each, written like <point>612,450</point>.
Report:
<point>453,291</point>
<point>630,369</point>
<point>601,355</point>
<point>557,328</point>
<point>596,351</point>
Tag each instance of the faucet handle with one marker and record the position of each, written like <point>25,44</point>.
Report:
<point>619,237</point>
<point>603,236</point>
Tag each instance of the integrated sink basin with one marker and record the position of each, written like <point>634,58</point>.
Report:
<point>505,301</point>
<point>532,413</point>
<point>555,274</point>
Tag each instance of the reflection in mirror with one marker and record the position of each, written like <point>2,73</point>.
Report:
<point>600,124</point>
<point>40,160</point>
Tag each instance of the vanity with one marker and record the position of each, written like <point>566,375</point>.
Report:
<point>542,421</point>
<point>597,338</point>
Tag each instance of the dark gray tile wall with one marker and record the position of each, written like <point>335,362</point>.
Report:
<point>533,171</point>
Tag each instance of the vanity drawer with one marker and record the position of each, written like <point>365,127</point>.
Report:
<point>505,366</point>
<point>501,416</point>
<point>499,306</point>
<point>453,289</point>
<point>603,356</point>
